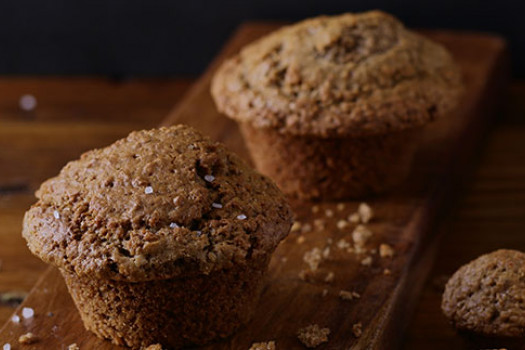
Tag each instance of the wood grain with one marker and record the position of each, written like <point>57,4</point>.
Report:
<point>403,219</point>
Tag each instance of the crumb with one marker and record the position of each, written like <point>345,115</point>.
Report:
<point>28,338</point>
<point>263,346</point>
<point>330,277</point>
<point>346,295</point>
<point>296,226</point>
<point>340,206</point>
<point>357,329</point>
<point>342,224</point>
<point>313,258</point>
<point>329,213</point>
<point>15,319</point>
<point>386,251</point>
<point>209,178</point>
<point>342,244</point>
<point>313,336</point>
<point>354,218</point>
<point>241,217</point>
<point>153,347</point>
<point>6,346</point>
<point>216,205</point>
<point>28,312</point>
<point>361,235</point>
<point>326,253</point>
<point>324,293</point>
<point>367,261</point>
<point>147,190</point>
<point>74,346</point>
<point>319,224</point>
<point>300,240</point>
<point>315,209</point>
<point>365,213</point>
<point>174,225</point>
<point>306,228</point>
<point>27,102</point>
<point>386,272</point>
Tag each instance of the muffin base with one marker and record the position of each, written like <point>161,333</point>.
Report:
<point>332,168</point>
<point>174,312</point>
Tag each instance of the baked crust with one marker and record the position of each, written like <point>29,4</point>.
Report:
<point>154,205</point>
<point>352,74</point>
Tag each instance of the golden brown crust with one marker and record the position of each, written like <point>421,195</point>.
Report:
<point>153,205</point>
<point>486,296</point>
<point>353,74</point>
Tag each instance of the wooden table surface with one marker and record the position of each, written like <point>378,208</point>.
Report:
<point>77,114</point>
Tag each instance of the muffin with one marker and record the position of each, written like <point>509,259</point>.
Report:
<point>332,107</point>
<point>162,237</point>
<point>486,299</point>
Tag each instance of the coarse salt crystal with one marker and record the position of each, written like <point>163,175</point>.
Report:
<point>174,225</point>
<point>241,217</point>
<point>7,346</point>
<point>56,214</point>
<point>27,102</point>
<point>216,205</point>
<point>28,312</point>
<point>209,178</point>
<point>148,190</point>
<point>15,319</point>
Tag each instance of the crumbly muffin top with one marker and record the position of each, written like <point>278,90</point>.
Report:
<point>154,205</point>
<point>487,295</point>
<point>352,74</point>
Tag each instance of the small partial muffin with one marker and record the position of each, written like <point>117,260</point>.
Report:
<point>486,297</point>
<point>162,237</point>
<point>332,107</point>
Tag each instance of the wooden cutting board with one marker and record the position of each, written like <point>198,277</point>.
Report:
<point>404,219</point>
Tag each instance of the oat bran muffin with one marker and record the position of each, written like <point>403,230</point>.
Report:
<point>487,297</point>
<point>162,237</point>
<point>332,107</point>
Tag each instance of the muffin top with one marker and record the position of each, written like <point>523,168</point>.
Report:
<point>487,295</point>
<point>352,74</point>
<point>155,205</point>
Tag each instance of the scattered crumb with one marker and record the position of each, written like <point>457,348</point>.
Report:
<point>56,214</point>
<point>296,226</point>
<point>241,217</point>
<point>319,224</point>
<point>312,336</point>
<point>216,205</point>
<point>386,272</point>
<point>28,338</point>
<point>147,190</point>
<point>330,277</point>
<point>15,319</point>
<point>6,346</point>
<point>365,213</point>
<point>313,258</point>
<point>209,178</point>
<point>174,225</point>
<point>74,346</point>
<point>326,253</point>
<point>342,244</point>
<point>329,213</point>
<point>346,295</point>
<point>153,347</point>
<point>340,206</point>
<point>27,102</point>
<point>263,346</point>
<point>354,218</point>
<point>324,293</point>
<point>386,251</point>
<point>315,209</point>
<point>300,240</point>
<point>306,228</point>
<point>367,261</point>
<point>357,329</point>
<point>342,224</point>
<point>361,235</point>
<point>28,312</point>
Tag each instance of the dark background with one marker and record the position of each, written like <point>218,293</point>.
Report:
<point>174,37</point>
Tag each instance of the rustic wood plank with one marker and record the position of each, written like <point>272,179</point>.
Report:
<point>403,220</point>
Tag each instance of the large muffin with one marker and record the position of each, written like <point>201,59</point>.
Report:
<point>162,237</point>
<point>332,107</point>
<point>487,296</point>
